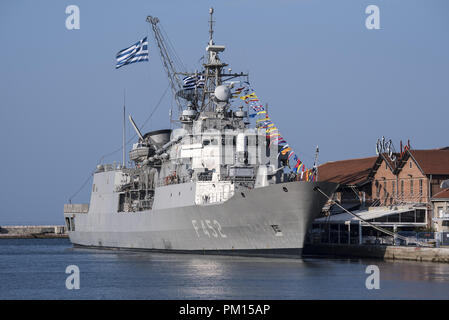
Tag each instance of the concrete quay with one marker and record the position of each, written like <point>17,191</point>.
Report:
<point>379,252</point>
<point>27,232</point>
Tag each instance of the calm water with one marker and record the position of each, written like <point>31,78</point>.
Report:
<point>35,269</point>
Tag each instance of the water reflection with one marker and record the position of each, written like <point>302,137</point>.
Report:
<point>415,271</point>
<point>36,269</point>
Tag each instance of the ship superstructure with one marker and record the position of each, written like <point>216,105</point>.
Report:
<point>215,183</point>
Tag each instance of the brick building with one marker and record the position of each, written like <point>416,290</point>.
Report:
<point>413,178</point>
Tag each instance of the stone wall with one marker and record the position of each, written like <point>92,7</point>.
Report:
<point>32,231</point>
<point>379,252</point>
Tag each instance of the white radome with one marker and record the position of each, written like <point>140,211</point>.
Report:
<point>222,93</point>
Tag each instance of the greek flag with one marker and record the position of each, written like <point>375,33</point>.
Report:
<point>135,53</point>
<point>193,82</point>
<point>189,83</point>
<point>200,82</point>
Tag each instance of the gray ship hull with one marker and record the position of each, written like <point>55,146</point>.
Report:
<point>267,220</point>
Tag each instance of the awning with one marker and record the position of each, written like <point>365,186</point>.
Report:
<point>365,214</point>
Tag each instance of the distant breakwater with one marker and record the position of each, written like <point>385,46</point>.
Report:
<point>27,232</point>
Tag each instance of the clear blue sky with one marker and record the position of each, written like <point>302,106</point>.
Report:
<point>328,81</point>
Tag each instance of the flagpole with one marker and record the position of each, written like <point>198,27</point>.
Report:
<point>124,111</point>
<point>315,163</point>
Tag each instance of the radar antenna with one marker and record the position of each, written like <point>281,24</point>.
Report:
<point>211,26</point>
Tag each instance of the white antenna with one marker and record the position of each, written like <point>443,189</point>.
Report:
<point>211,26</point>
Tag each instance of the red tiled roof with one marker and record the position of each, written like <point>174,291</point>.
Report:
<point>349,172</point>
<point>444,194</point>
<point>434,161</point>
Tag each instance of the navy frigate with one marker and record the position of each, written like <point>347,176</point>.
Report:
<point>214,184</point>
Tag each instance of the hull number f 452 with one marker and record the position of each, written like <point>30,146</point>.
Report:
<point>208,228</point>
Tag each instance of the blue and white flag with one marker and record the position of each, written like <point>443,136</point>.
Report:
<point>135,53</point>
<point>200,82</point>
<point>190,82</point>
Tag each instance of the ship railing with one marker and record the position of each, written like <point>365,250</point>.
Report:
<point>105,167</point>
<point>237,179</point>
<point>76,208</point>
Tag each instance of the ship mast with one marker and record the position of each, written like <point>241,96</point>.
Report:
<point>212,69</point>
<point>213,76</point>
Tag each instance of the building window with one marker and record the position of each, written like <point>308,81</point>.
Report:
<point>385,189</point>
<point>393,187</point>
<point>402,188</point>
<point>420,216</point>
<point>420,187</point>
<point>411,187</point>
<point>393,218</point>
<point>411,165</point>
<point>408,216</point>
<point>377,189</point>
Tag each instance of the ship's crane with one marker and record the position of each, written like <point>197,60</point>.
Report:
<point>167,61</point>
